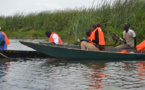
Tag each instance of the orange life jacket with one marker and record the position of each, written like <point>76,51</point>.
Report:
<point>6,38</point>
<point>52,40</point>
<point>141,46</point>
<point>123,51</point>
<point>91,41</point>
<point>100,35</point>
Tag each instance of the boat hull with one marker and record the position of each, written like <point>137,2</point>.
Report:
<point>77,54</point>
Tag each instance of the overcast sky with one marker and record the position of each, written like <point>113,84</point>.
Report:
<point>11,7</point>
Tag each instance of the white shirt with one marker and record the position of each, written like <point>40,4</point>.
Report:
<point>129,37</point>
<point>55,38</point>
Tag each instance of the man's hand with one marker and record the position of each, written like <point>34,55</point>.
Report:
<point>88,40</point>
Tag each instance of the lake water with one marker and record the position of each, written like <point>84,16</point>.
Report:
<point>16,45</point>
<point>55,74</point>
<point>47,74</point>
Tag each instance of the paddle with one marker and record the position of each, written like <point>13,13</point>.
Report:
<point>115,35</point>
<point>4,55</point>
<point>80,40</point>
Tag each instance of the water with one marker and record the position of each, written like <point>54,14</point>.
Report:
<point>55,74</point>
<point>16,45</point>
<point>44,74</point>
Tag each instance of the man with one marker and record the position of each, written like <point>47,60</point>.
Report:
<point>4,41</point>
<point>129,37</point>
<point>53,37</point>
<point>88,33</point>
<point>95,41</point>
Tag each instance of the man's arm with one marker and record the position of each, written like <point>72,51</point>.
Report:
<point>124,41</point>
<point>134,42</point>
<point>124,38</point>
<point>134,36</point>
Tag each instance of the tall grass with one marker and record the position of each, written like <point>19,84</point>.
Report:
<point>72,24</point>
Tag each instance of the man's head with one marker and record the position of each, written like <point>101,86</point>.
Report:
<point>126,26</point>
<point>88,32</point>
<point>48,33</point>
<point>98,25</point>
<point>94,26</point>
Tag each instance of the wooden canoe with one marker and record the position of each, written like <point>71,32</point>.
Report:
<point>75,53</point>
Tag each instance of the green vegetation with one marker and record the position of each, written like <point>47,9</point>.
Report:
<point>72,24</point>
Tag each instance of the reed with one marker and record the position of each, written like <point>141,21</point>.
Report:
<point>71,24</point>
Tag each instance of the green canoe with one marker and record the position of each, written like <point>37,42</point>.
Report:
<point>75,53</point>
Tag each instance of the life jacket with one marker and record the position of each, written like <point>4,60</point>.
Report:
<point>6,38</point>
<point>100,35</point>
<point>91,41</point>
<point>141,46</point>
<point>123,51</point>
<point>52,40</point>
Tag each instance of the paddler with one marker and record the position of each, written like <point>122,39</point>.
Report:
<point>53,37</point>
<point>88,33</point>
<point>95,42</point>
<point>130,38</point>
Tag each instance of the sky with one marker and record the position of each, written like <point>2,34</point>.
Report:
<point>12,7</point>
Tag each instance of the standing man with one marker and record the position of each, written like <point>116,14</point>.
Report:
<point>96,40</point>
<point>129,37</point>
<point>53,37</point>
<point>4,41</point>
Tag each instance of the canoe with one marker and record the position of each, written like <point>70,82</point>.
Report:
<point>22,54</point>
<point>75,53</point>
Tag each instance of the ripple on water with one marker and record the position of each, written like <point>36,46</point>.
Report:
<point>70,75</point>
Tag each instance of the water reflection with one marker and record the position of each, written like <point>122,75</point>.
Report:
<point>98,77</point>
<point>141,73</point>
<point>4,67</point>
<point>44,74</point>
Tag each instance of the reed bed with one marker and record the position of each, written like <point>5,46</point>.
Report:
<point>71,24</point>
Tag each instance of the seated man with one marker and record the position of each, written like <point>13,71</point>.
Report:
<point>4,41</point>
<point>95,41</point>
<point>53,37</point>
<point>88,33</point>
<point>129,37</point>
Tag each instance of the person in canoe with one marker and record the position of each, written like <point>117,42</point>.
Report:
<point>4,41</point>
<point>129,37</point>
<point>95,41</point>
<point>88,33</point>
<point>53,37</point>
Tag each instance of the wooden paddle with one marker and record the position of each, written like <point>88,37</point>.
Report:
<point>119,37</point>
<point>4,55</point>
